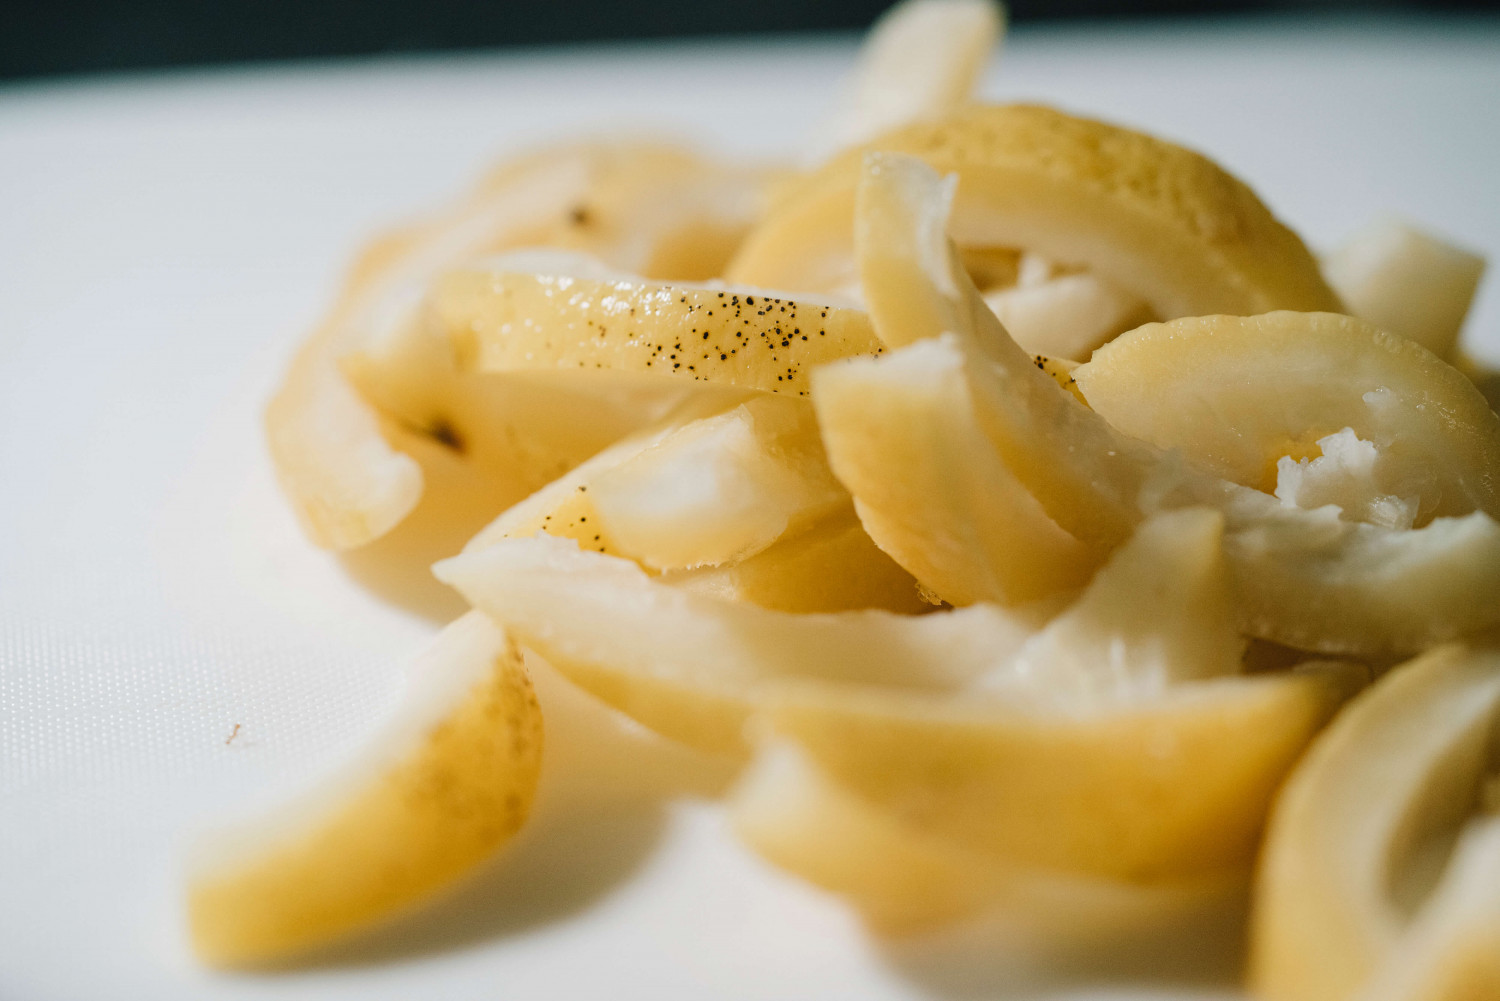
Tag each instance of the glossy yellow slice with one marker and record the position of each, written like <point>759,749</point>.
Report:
<point>795,816</point>
<point>1350,851</point>
<point>693,492</point>
<point>691,666</point>
<point>1407,282</point>
<point>1170,787</point>
<point>1159,613</point>
<point>1304,578</point>
<point>920,59</point>
<point>720,489</point>
<point>1164,224</point>
<point>923,888</point>
<point>902,436</point>
<point>640,206</point>
<point>834,566</point>
<point>500,319</point>
<point>437,791</point>
<point>1451,952</point>
<point>564,507</point>
<point>1238,394</point>
<point>1067,316</point>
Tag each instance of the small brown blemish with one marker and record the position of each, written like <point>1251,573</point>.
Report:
<point>232,734</point>
<point>447,435</point>
<point>441,431</point>
<point>579,215</point>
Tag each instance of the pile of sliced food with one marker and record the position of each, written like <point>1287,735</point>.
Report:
<point>1025,510</point>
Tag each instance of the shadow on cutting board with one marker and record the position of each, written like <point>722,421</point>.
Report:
<point>600,815</point>
<point>1190,939</point>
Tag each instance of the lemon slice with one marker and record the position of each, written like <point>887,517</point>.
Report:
<point>1238,394</point>
<point>925,888</point>
<point>641,206</point>
<point>652,208</point>
<point>920,59</point>
<point>720,489</point>
<point>693,667</point>
<point>1408,282</point>
<point>436,792</point>
<point>694,492</point>
<point>1303,578</point>
<point>1140,792</point>
<point>564,507</point>
<point>1157,614</point>
<point>1451,952</point>
<point>1163,224</point>
<point>1067,316</point>
<point>504,320</point>
<point>795,816</point>
<point>1349,850</point>
<point>901,435</point>
<point>834,566</point>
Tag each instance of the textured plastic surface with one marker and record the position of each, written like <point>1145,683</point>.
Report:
<point>165,241</point>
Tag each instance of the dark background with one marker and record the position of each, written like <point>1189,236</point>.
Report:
<point>39,38</point>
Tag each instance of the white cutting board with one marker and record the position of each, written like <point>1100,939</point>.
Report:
<point>164,242</point>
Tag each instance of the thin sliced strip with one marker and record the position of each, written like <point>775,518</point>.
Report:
<point>1067,316</point>
<point>1303,578</point>
<point>795,816</point>
<point>1342,864</point>
<point>347,484</point>
<point>920,59</point>
<point>720,489</point>
<point>1140,792</point>
<point>1159,613</point>
<point>1408,282</point>
<point>641,206</point>
<point>1164,224</point>
<point>693,667</point>
<point>901,435</point>
<point>436,792</point>
<point>833,566</point>
<point>1312,580</point>
<point>1085,475</point>
<point>918,886</point>
<point>563,507</point>
<point>1451,952</point>
<point>1237,394</point>
<point>501,320</point>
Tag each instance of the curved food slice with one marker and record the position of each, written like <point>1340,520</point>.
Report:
<point>1451,952</point>
<point>1164,224</point>
<point>1067,316</point>
<point>1407,282</point>
<point>346,482</point>
<point>708,491</point>
<point>901,435</point>
<point>920,59</point>
<point>1303,578</point>
<point>720,489</point>
<point>1172,787</point>
<point>1157,614</point>
<point>563,507</point>
<point>504,320</point>
<point>834,566</point>
<point>693,667</point>
<point>1239,394</point>
<point>795,816</point>
<point>1349,851</point>
<point>339,456</point>
<point>437,791</point>
<point>909,883</point>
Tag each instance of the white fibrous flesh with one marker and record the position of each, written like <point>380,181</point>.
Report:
<point>1345,476</point>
